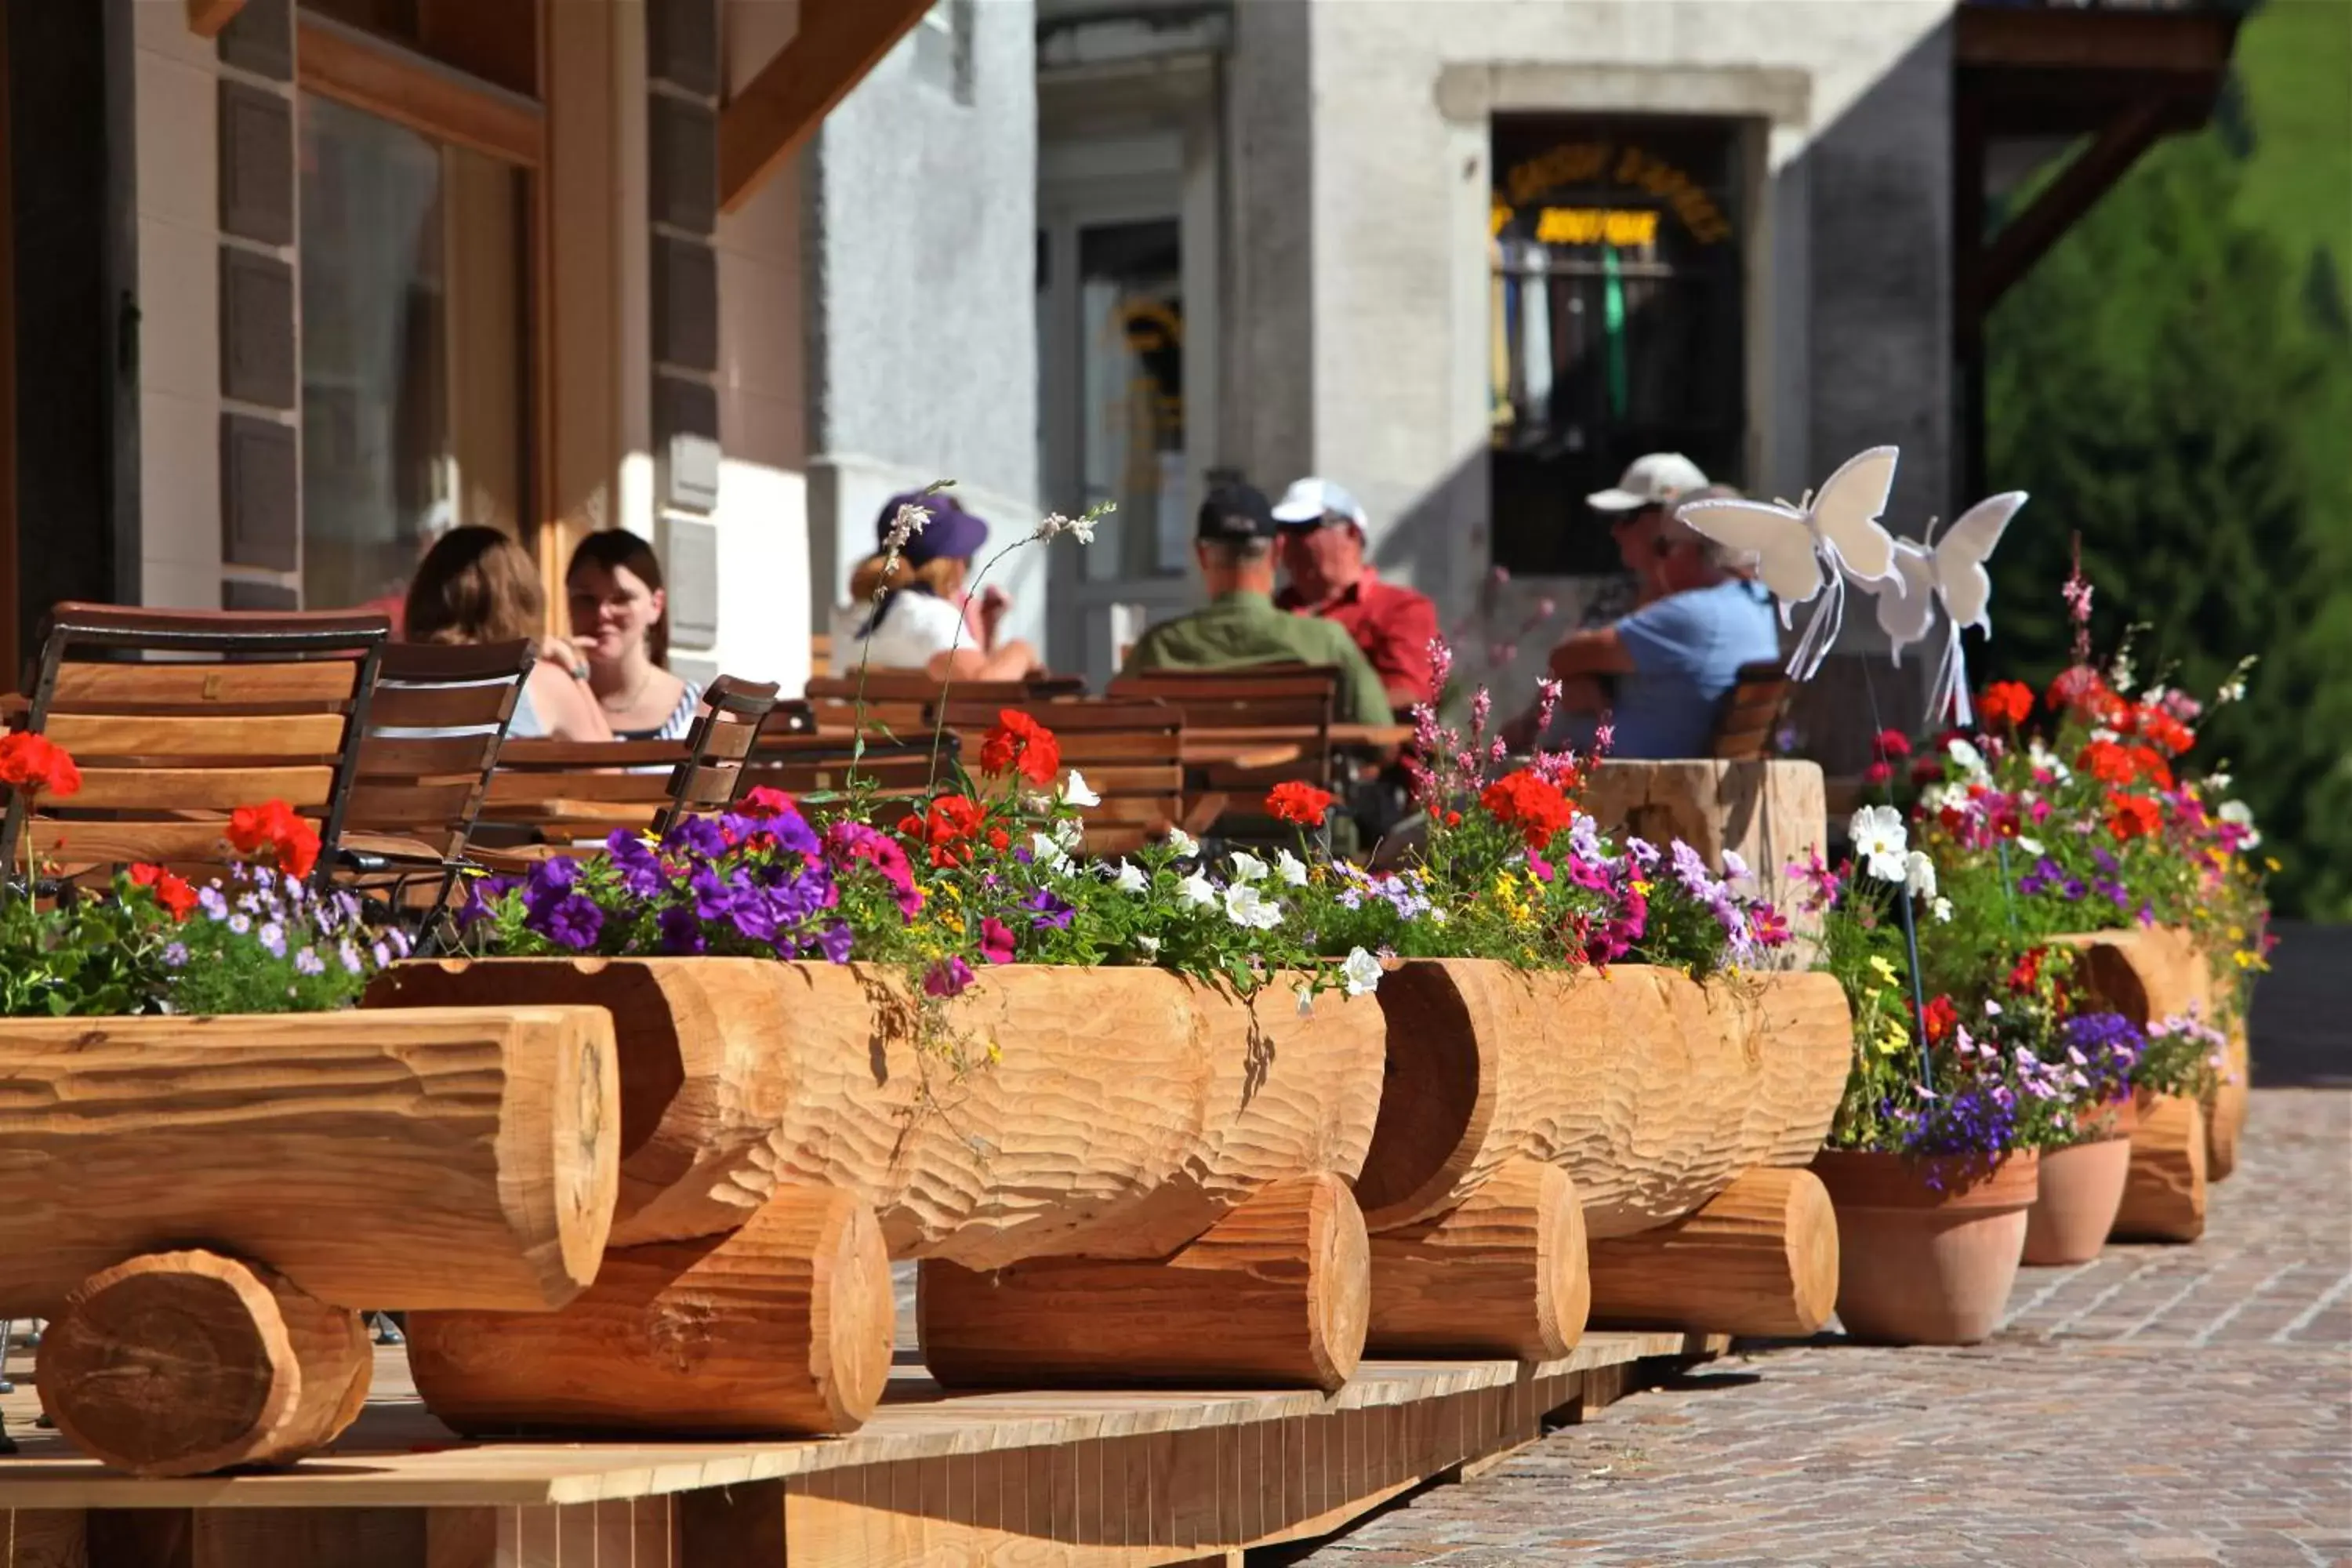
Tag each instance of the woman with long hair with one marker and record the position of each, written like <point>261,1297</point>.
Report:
<point>620,624</point>
<point>476,585</point>
<point>919,621</point>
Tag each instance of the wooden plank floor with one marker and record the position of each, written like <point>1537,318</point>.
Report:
<point>1087,1479</point>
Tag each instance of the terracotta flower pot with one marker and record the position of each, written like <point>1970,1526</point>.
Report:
<point>2082,1188</point>
<point>1928,1249</point>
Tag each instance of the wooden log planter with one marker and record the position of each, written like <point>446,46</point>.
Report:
<point>445,1157</point>
<point>2146,974</point>
<point>1128,1112</point>
<point>1651,1093</point>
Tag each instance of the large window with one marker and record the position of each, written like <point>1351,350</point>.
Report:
<point>415,391</point>
<point>1616,320</point>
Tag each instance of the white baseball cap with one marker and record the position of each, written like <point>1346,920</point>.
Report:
<point>1312,500</point>
<point>1654,479</point>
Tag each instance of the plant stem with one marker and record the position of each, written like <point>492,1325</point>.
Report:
<point>1919,991</point>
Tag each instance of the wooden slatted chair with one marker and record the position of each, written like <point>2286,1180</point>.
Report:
<point>177,717</point>
<point>903,702</point>
<point>435,724</point>
<point>1752,711</point>
<point>1132,754</point>
<point>1265,725</point>
<point>566,797</point>
<point>714,775</point>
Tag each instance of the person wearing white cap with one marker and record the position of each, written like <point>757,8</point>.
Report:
<point>1321,544</point>
<point>1635,506</point>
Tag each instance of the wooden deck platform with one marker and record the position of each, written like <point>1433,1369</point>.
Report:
<point>1056,1480</point>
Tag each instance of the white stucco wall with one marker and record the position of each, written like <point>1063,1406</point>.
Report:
<point>920,286</point>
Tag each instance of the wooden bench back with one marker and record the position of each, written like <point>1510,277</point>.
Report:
<point>903,703</point>
<point>1291,704</point>
<point>1751,712</point>
<point>177,717</point>
<point>1132,753</point>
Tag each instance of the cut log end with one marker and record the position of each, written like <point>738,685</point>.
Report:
<point>1273,1294</point>
<point>2164,1194</point>
<point>1503,1275</point>
<point>1761,1258</point>
<point>181,1364</point>
<point>782,1328</point>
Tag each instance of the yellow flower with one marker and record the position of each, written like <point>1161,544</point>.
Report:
<point>952,923</point>
<point>2271,861</point>
<point>1641,887</point>
<point>1505,883</point>
<point>2237,933</point>
<point>947,890</point>
<point>1884,970</point>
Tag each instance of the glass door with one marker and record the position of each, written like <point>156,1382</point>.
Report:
<point>1111,355</point>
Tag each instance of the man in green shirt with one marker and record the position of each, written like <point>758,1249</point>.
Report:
<point>1242,627</point>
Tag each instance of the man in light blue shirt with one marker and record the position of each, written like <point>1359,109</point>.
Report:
<point>1673,659</point>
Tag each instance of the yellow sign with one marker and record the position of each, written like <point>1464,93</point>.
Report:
<point>1608,163</point>
<point>1597,226</point>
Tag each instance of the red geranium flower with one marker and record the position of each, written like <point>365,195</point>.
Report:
<point>1537,808</point>
<point>2108,762</point>
<point>1878,774</point>
<point>2026,971</point>
<point>2009,702</point>
<point>291,842</point>
<point>1891,743</point>
<point>172,891</point>
<point>1297,802</point>
<point>952,820</point>
<point>2131,817</point>
<point>1021,743</point>
<point>36,765</point>
<point>1942,1016</point>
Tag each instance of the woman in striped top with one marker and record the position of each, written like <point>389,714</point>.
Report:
<point>620,623</point>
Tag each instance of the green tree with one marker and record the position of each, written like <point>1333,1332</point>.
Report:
<point>2148,384</point>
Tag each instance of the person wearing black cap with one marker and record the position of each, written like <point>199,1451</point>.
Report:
<point>1241,624</point>
<point>918,623</point>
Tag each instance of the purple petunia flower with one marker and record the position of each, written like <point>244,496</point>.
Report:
<point>713,898</point>
<point>835,941</point>
<point>571,923</point>
<point>1047,912</point>
<point>698,836</point>
<point>639,869</point>
<point>680,932</point>
<point>996,941</point>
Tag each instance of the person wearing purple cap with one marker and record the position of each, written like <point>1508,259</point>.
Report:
<point>918,620</point>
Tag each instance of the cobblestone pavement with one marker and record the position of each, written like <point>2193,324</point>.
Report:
<point>2158,1406</point>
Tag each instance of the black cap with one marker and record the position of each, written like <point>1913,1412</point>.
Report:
<point>1235,514</point>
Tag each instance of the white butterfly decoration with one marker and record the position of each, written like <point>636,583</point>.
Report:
<point>1951,569</point>
<point>1815,545</point>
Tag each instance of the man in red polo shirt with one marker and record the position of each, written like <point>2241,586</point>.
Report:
<point>1321,548</point>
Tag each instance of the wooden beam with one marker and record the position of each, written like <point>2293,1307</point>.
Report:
<point>207,17</point>
<point>2047,37</point>
<point>2025,238</point>
<point>427,97</point>
<point>838,42</point>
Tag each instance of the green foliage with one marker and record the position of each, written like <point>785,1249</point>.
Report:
<point>89,957</point>
<point>2150,384</point>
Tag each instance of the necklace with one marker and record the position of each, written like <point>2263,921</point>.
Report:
<point>629,701</point>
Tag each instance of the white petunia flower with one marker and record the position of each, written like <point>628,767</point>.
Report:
<point>1148,945</point>
<point>1307,1001</point>
<point>1362,972</point>
<point>1918,876</point>
<point>1076,793</point>
<point>2239,814</point>
<point>1196,891</point>
<point>1962,751</point>
<point>1733,865</point>
<point>1048,853</point>
<point>2046,761</point>
<point>1131,878</point>
<point>1248,867</point>
<point>1942,909</point>
<point>1069,833</point>
<point>1251,909</point>
<point>1290,868</point>
<point>1183,843</point>
<point>1880,842</point>
<point>2216,783</point>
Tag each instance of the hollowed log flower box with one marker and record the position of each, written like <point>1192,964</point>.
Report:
<point>1173,1144</point>
<point>1652,1094</point>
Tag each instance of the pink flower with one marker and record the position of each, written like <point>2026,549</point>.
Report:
<point>995,941</point>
